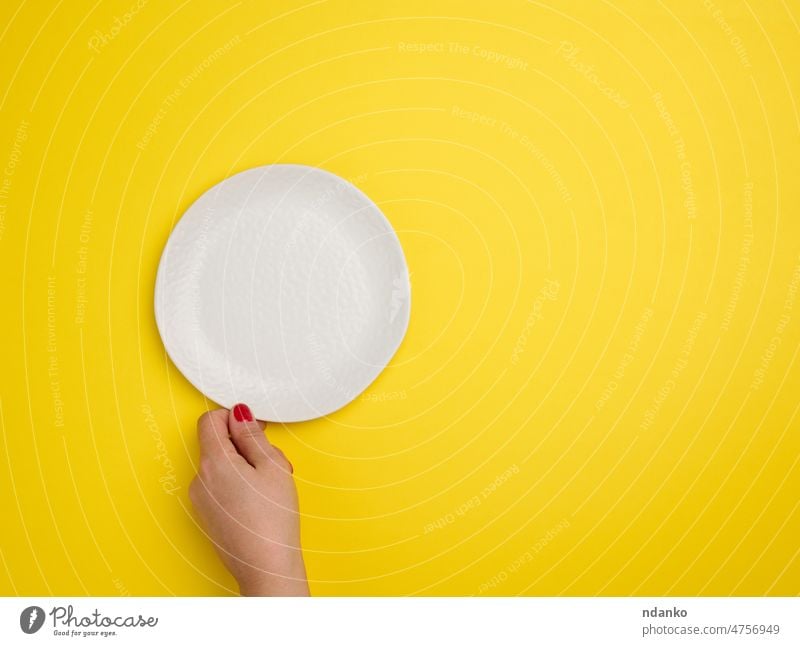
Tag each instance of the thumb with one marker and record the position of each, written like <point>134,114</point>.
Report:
<point>247,435</point>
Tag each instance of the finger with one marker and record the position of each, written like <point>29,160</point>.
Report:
<point>248,436</point>
<point>283,462</point>
<point>212,433</point>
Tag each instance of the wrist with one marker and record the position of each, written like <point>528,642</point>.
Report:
<point>274,586</point>
<point>290,583</point>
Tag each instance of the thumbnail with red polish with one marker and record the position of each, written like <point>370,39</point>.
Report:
<point>241,413</point>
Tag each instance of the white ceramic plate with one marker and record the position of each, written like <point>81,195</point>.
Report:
<point>283,287</point>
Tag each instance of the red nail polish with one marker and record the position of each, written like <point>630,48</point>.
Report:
<point>241,413</point>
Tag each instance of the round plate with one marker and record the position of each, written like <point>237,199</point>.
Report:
<point>283,287</point>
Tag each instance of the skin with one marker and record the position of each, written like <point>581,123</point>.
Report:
<point>246,498</point>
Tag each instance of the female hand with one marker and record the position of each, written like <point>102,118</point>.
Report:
<point>245,496</point>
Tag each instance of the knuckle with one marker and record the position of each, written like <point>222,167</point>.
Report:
<point>250,431</point>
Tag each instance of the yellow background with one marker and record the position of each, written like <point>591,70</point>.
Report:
<point>598,201</point>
